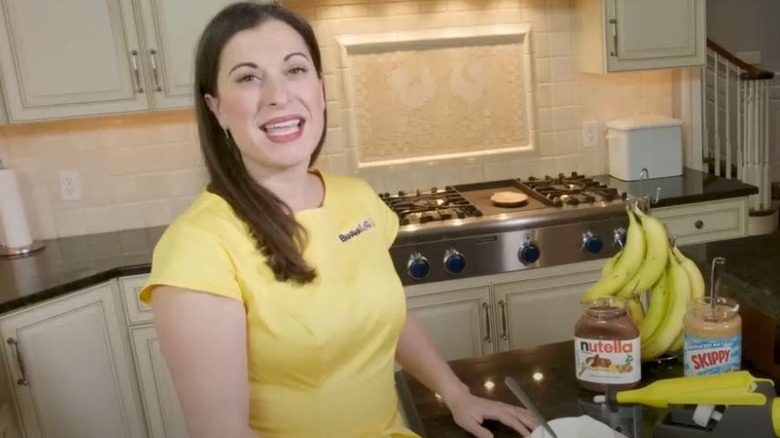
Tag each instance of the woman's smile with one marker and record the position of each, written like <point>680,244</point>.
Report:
<point>284,129</point>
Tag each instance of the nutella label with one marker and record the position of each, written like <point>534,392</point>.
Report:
<point>712,356</point>
<point>607,361</point>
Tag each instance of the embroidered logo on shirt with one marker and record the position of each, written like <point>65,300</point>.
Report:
<point>358,230</point>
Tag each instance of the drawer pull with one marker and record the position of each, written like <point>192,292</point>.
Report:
<point>699,224</point>
<point>502,304</point>
<point>20,362</point>
<point>487,322</point>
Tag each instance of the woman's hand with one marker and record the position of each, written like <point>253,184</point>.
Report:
<point>469,411</point>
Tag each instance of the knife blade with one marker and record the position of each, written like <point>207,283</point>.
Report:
<point>521,395</point>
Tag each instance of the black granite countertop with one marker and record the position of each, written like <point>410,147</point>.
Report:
<point>752,269</point>
<point>691,186</point>
<point>69,264</point>
<point>556,393</point>
<point>547,375</point>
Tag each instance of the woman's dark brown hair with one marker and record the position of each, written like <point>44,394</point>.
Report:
<point>278,236</point>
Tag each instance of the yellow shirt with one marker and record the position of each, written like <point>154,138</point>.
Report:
<point>321,355</point>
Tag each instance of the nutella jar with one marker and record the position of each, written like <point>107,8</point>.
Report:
<point>606,346</point>
<point>713,337</point>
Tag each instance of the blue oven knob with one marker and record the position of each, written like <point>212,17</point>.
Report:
<point>592,243</point>
<point>529,253</point>
<point>454,262</point>
<point>418,266</point>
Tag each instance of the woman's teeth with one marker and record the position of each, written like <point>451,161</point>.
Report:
<point>283,128</point>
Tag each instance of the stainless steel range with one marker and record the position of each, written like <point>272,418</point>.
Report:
<point>458,231</point>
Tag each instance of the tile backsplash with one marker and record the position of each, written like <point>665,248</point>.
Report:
<point>142,170</point>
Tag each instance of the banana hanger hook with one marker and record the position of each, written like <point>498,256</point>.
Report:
<point>646,200</point>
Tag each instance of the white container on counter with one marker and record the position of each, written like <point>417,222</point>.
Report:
<point>651,142</point>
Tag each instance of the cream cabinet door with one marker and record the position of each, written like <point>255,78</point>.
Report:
<point>459,322</point>
<point>171,42</point>
<point>163,411</point>
<point>540,311</point>
<point>69,58</point>
<point>656,33</point>
<point>68,365</point>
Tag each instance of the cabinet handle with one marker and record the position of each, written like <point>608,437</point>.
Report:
<point>152,54</point>
<point>20,361</point>
<point>699,224</point>
<point>613,23</point>
<point>136,73</point>
<point>487,322</point>
<point>502,304</point>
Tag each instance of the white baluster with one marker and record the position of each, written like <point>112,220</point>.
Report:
<point>705,152</point>
<point>740,122</point>
<point>728,122</point>
<point>716,111</point>
<point>767,188</point>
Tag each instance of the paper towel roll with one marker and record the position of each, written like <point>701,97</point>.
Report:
<point>13,220</point>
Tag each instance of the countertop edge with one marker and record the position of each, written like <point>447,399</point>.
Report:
<point>74,286</point>
<point>704,197</point>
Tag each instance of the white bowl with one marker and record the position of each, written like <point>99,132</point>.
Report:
<point>577,427</point>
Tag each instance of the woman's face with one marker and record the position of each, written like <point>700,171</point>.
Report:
<point>270,98</point>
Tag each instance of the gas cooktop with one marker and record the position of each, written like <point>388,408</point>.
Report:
<point>465,201</point>
<point>552,221</point>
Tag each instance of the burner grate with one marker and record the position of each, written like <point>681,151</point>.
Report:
<point>435,205</point>
<point>573,189</point>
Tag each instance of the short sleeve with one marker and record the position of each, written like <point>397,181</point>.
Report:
<point>193,258</point>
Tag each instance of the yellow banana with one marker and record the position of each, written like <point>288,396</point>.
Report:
<point>679,294</point>
<point>625,267</point>
<point>635,311</point>
<point>656,255</point>
<point>694,274</point>
<point>610,264</point>
<point>656,308</point>
<point>677,345</point>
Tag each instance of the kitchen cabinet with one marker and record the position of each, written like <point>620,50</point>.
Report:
<point>161,403</point>
<point>65,59</point>
<point>92,57</point>
<point>163,411</point>
<point>627,35</point>
<point>705,221</point>
<point>540,311</point>
<point>68,364</point>
<point>458,321</point>
<point>171,29</point>
<point>478,316</point>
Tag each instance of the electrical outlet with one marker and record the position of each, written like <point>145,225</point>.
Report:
<point>590,134</point>
<point>70,186</point>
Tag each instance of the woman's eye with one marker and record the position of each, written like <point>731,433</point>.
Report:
<point>248,78</point>
<point>297,70</point>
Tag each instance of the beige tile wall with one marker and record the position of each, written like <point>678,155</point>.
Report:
<point>142,170</point>
<point>565,98</point>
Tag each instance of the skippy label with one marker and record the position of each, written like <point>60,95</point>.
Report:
<point>607,361</point>
<point>712,356</point>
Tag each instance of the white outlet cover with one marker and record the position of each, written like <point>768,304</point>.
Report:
<point>590,134</point>
<point>70,186</point>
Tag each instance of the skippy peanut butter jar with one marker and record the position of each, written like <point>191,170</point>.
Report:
<point>606,346</point>
<point>713,337</point>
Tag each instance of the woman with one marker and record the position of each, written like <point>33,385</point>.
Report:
<point>277,307</point>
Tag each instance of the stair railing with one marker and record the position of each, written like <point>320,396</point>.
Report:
<point>736,122</point>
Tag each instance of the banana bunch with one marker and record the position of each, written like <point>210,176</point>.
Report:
<point>648,264</point>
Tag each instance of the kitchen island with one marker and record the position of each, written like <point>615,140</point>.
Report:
<point>546,373</point>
